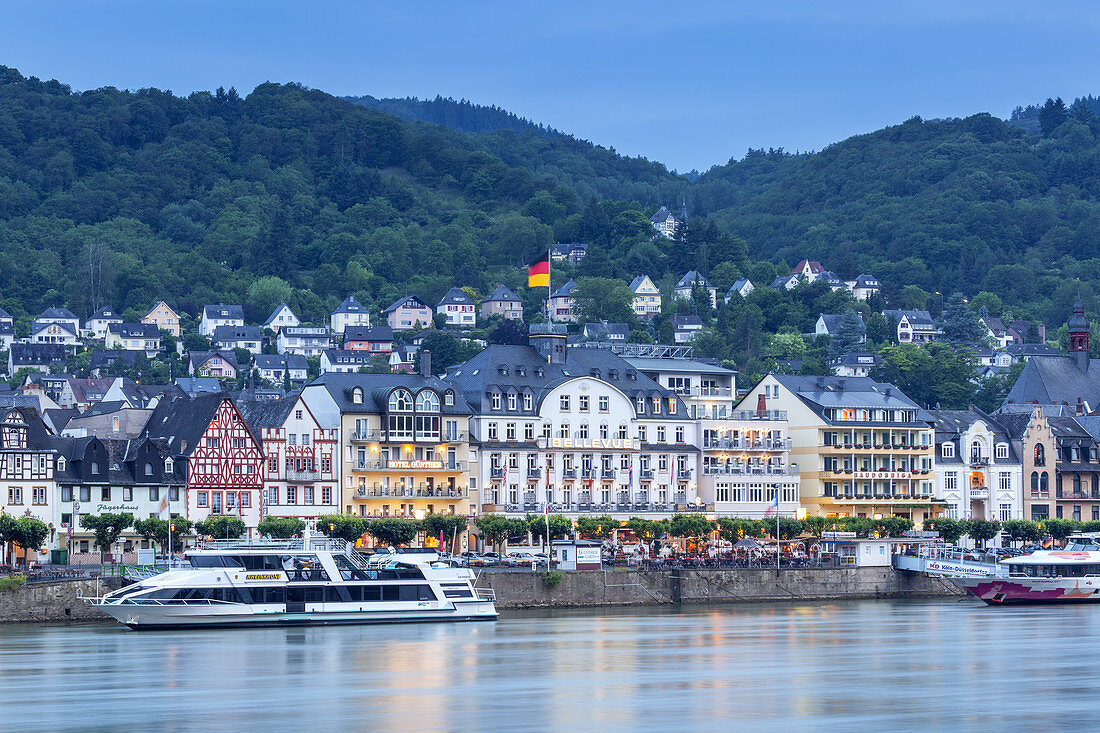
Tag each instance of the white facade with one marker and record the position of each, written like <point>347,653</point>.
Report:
<point>281,318</point>
<point>50,332</point>
<point>219,315</point>
<point>303,340</point>
<point>979,475</point>
<point>301,466</point>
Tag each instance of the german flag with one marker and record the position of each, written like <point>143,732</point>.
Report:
<point>538,274</point>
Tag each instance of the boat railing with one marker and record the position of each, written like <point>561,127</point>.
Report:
<point>485,594</point>
<point>316,543</point>
<point>176,602</point>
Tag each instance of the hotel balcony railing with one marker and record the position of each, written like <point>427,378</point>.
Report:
<point>755,415</point>
<point>420,492</point>
<point>608,473</point>
<point>750,470</point>
<point>380,465</point>
<point>646,474</point>
<point>740,444</point>
<point>496,473</point>
<point>570,473</point>
<point>534,473</point>
<point>312,475</point>
<point>683,475</point>
<point>598,507</point>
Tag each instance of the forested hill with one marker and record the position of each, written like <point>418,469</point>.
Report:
<point>110,196</point>
<point>967,205</point>
<point>458,115</point>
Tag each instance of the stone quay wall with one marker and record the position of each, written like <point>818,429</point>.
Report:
<point>621,587</point>
<point>55,601</point>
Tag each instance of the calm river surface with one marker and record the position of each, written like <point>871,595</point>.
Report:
<point>901,665</point>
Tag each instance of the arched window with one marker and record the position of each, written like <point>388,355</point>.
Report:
<point>427,401</point>
<point>148,469</point>
<point>61,464</point>
<point>401,401</point>
<point>1034,480</point>
<point>1044,481</point>
<point>1040,455</point>
<point>95,466</point>
<point>357,395</point>
<point>975,450</point>
<point>448,398</point>
<point>168,465</point>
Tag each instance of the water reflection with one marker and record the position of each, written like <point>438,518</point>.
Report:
<point>882,664</point>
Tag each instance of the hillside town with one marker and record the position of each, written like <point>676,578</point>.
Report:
<point>570,418</point>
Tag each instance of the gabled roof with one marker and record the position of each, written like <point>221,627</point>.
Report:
<point>566,249</point>
<point>638,281</point>
<point>689,280</point>
<point>199,385</point>
<point>198,358</point>
<point>280,361</point>
<point>275,313</point>
<point>407,301</point>
<point>594,330</point>
<point>182,421</point>
<point>106,313</point>
<point>350,305</point>
<point>565,290</point>
<point>1030,350</point>
<point>831,278</point>
<point>348,356</point>
<point>222,310</point>
<point>305,331</point>
<point>502,294</point>
<point>260,414</point>
<point>1049,380</point>
<point>662,215</point>
<point>58,313</point>
<point>867,281</point>
<point>456,296</point>
<point>377,334</point>
<point>919,320</point>
<point>994,324</point>
<point>737,286</point>
<point>138,330</point>
<point>815,267</point>
<point>856,358</point>
<point>781,282</point>
<point>103,358</point>
<point>833,320</point>
<point>158,304</point>
<point>4,314</point>
<point>224,334</point>
<point>39,326</point>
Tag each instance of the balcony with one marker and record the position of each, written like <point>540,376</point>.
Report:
<point>362,436</point>
<point>312,475</point>
<point>608,473</point>
<point>569,474</point>
<point>979,492</point>
<point>497,472</point>
<point>534,472</point>
<point>976,460</point>
<point>754,415</point>
<point>683,475</point>
<point>646,474</point>
<point>738,444</point>
<point>749,471</point>
<point>423,491</point>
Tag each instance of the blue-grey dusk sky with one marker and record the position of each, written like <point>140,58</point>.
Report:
<point>689,84</point>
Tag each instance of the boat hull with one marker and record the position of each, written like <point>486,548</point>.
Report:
<point>1020,591</point>
<point>142,617</point>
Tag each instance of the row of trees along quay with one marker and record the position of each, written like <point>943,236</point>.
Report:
<point>1015,530</point>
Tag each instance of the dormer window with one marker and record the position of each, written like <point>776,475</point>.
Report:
<point>528,403</point>
<point>60,464</point>
<point>168,465</point>
<point>448,398</point>
<point>495,399</point>
<point>148,469</point>
<point>95,467</point>
<point>947,450</point>
<point>641,405</point>
<point>1002,451</point>
<point>357,395</point>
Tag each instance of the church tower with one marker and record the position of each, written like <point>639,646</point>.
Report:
<point>1079,335</point>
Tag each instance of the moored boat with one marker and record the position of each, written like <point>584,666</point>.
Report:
<point>297,582</point>
<point>1069,575</point>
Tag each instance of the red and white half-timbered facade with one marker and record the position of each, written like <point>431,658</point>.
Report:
<point>301,471</point>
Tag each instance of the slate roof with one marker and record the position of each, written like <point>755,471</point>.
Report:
<point>139,330</point>
<point>350,305</point>
<point>348,356</point>
<point>866,281</point>
<point>181,422</point>
<point>1020,351</point>
<point>105,313</point>
<point>58,313</point>
<point>259,414</point>
<point>407,301</point>
<point>996,325</point>
<point>228,334</point>
<point>222,310</point>
<point>781,282</point>
<point>595,330</point>
<point>522,369</point>
<point>39,325</point>
<point>822,393</point>
<point>565,250</point>
<point>689,279</point>
<point>59,418</point>
<point>280,361</point>
<point>830,277</point>
<point>198,358</point>
<point>103,358</point>
<point>274,313</point>
<point>565,290</point>
<point>736,287</point>
<point>198,385</point>
<point>637,282</point>
<point>1057,379</point>
<point>377,387</point>
<point>36,354</point>
<point>4,314</point>
<point>456,296</point>
<point>15,399</point>
<point>919,320</point>
<point>1014,423</point>
<point>662,215</point>
<point>364,333</point>
<point>854,359</point>
<point>951,424</point>
<point>685,321</point>
<point>501,293</point>
<point>833,321</point>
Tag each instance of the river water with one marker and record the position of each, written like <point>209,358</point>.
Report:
<point>903,665</point>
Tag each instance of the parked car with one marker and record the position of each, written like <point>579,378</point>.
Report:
<point>519,558</point>
<point>471,559</point>
<point>1028,549</point>
<point>490,558</point>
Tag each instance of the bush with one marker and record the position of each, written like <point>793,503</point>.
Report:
<point>14,582</point>
<point>553,578</point>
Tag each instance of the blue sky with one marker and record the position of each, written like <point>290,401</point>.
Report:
<point>689,84</point>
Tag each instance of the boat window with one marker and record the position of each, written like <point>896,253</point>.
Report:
<point>262,562</point>
<point>461,592</point>
<point>215,561</point>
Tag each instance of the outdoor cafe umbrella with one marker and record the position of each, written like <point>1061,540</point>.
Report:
<point>747,543</point>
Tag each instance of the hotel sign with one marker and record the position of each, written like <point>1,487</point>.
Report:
<point>882,474</point>
<point>416,465</point>
<point>595,443</point>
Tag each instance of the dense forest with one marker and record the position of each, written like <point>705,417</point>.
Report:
<point>288,193</point>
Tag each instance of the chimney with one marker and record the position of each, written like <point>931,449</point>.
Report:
<point>425,363</point>
<point>1080,407</point>
<point>761,405</point>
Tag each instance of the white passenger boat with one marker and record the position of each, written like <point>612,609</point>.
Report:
<point>307,581</point>
<point>1070,575</point>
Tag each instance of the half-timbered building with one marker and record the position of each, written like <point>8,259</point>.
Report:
<point>221,458</point>
<point>26,472</point>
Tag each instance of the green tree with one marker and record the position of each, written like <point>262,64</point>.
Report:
<point>107,528</point>
<point>281,528</point>
<point>560,526</point>
<point>983,530</point>
<point>950,529</point>
<point>603,299</point>
<point>393,531</point>
<point>1022,530</point>
<point>596,527</point>
<point>30,534</point>
<point>1051,115</point>
<point>342,526</point>
<point>498,529</point>
<point>690,525</point>
<point>220,527</point>
<point>267,293</point>
<point>158,531</point>
<point>960,324</point>
<point>446,527</point>
<point>1059,529</point>
<point>849,335</point>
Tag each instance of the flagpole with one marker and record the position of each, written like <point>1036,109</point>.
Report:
<point>549,313</point>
